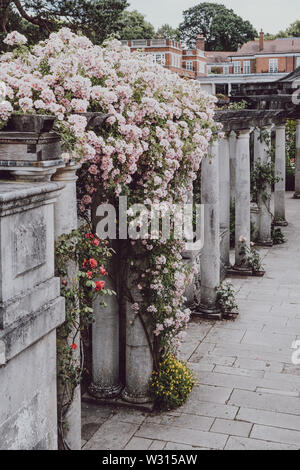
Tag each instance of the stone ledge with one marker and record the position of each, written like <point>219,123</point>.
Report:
<point>16,197</point>
<point>21,305</point>
<point>26,331</point>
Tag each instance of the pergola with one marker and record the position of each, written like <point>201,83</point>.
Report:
<point>226,177</point>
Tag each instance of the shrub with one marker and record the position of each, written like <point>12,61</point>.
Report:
<point>172,384</point>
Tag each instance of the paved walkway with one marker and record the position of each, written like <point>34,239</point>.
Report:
<point>248,395</point>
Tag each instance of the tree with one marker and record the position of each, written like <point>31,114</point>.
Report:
<point>294,29</point>
<point>134,26</point>
<point>222,28</point>
<point>97,19</point>
<point>167,32</point>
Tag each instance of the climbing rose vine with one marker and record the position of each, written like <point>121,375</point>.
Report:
<point>158,129</point>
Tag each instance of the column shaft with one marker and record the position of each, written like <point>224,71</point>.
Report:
<point>232,150</point>
<point>242,200</point>
<point>297,175</point>
<point>264,197</point>
<point>65,220</point>
<point>280,172</point>
<point>105,345</point>
<point>210,256</point>
<point>224,172</point>
<point>139,359</point>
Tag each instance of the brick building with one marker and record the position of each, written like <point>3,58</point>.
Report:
<point>255,61</point>
<point>186,62</point>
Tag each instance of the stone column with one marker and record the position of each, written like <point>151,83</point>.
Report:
<point>139,343</point>
<point>65,220</point>
<point>106,383</point>
<point>242,200</point>
<point>232,150</point>
<point>210,256</point>
<point>105,344</point>
<point>297,176</point>
<point>280,172</point>
<point>257,145</point>
<point>264,197</point>
<point>224,172</point>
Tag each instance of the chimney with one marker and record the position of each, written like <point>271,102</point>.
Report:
<point>200,43</point>
<point>261,40</point>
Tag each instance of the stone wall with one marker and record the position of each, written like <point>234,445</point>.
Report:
<point>30,311</point>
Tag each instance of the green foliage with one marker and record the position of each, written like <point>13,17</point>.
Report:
<point>97,19</point>
<point>222,28</point>
<point>167,32</point>
<point>80,259</point>
<point>235,106</point>
<point>262,176</point>
<point>226,298</point>
<point>252,257</point>
<point>292,31</point>
<point>277,236</point>
<point>172,384</point>
<point>134,26</point>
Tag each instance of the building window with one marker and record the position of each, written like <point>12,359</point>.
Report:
<point>298,61</point>
<point>246,67</point>
<point>201,67</point>
<point>176,61</point>
<point>159,59</point>
<point>226,70</point>
<point>237,67</point>
<point>189,65</point>
<point>273,65</point>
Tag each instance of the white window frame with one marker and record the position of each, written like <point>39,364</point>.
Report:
<point>201,67</point>
<point>159,58</point>
<point>273,65</point>
<point>237,67</point>
<point>226,70</point>
<point>247,67</point>
<point>298,61</point>
<point>189,65</point>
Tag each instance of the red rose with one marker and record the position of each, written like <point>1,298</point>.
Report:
<point>93,263</point>
<point>89,274</point>
<point>96,242</point>
<point>100,285</point>
<point>103,271</point>
<point>74,346</point>
<point>89,235</point>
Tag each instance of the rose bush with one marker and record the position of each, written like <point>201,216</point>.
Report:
<point>158,130</point>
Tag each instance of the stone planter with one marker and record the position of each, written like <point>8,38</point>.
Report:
<point>37,123</point>
<point>29,149</point>
<point>258,273</point>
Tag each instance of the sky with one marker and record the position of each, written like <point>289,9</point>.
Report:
<point>271,15</point>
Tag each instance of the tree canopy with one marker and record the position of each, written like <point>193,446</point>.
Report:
<point>134,26</point>
<point>292,31</point>
<point>97,19</point>
<point>166,31</point>
<point>222,28</point>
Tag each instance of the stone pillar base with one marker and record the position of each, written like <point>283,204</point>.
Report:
<point>138,399</point>
<point>280,223</point>
<point>243,270</point>
<point>97,391</point>
<point>210,313</point>
<point>264,242</point>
